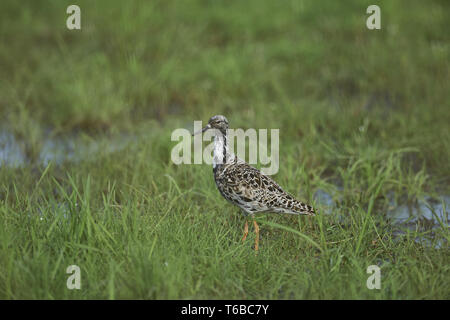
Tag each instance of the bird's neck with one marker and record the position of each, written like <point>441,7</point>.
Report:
<point>221,154</point>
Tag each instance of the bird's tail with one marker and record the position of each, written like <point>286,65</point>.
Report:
<point>303,208</point>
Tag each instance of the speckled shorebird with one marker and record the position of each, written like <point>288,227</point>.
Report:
<point>245,186</point>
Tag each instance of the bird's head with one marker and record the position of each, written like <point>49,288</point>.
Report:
<point>218,122</point>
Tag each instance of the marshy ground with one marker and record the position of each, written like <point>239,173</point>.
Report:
<point>86,176</point>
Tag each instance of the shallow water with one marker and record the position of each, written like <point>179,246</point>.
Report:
<point>72,148</point>
<point>427,214</point>
<point>10,152</point>
<point>325,199</point>
<point>428,209</point>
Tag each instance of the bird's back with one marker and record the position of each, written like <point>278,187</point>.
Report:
<point>251,190</point>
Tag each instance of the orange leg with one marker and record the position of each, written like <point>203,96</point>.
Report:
<point>245,231</point>
<point>257,235</point>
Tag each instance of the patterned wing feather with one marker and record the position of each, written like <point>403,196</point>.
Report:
<point>254,192</point>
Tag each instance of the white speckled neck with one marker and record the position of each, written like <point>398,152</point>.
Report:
<point>220,148</point>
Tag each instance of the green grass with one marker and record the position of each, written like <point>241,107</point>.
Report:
<point>368,110</point>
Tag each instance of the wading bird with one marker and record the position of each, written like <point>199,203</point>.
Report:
<point>245,186</point>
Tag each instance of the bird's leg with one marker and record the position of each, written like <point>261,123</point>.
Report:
<point>245,231</point>
<point>256,235</point>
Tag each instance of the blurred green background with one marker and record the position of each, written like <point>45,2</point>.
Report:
<point>297,62</point>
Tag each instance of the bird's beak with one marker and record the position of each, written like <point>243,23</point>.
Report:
<point>208,126</point>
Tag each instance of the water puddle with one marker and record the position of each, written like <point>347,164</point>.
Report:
<point>427,215</point>
<point>428,209</point>
<point>71,148</point>
<point>11,154</point>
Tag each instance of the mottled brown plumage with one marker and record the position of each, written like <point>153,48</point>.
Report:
<point>254,192</point>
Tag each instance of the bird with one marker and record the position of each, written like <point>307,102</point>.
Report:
<point>245,186</point>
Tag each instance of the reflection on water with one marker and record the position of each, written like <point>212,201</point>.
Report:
<point>59,149</point>
<point>325,200</point>
<point>428,214</point>
<point>428,209</point>
<point>10,152</point>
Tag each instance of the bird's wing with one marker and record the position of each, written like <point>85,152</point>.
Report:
<point>256,192</point>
